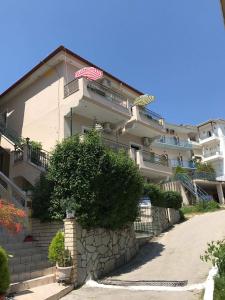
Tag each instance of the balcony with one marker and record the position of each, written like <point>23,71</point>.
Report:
<point>145,123</point>
<point>212,156</point>
<point>153,165</point>
<point>209,139</point>
<point>96,101</point>
<point>150,164</point>
<point>187,164</point>
<point>173,143</point>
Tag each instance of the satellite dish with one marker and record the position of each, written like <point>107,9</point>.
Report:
<point>144,100</point>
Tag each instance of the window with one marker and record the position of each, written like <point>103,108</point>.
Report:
<point>209,133</point>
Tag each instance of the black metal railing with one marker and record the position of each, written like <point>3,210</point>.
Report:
<point>151,115</point>
<point>71,87</point>
<point>115,146</point>
<point>108,93</point>
<point>155,158</point>
<point>38,157</point>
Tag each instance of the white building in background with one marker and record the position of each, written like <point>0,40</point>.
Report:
<point>212,140</point>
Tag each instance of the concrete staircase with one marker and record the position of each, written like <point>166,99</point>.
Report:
<point>29,266</point>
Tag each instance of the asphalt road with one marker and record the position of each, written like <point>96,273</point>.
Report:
<point>173,256</point>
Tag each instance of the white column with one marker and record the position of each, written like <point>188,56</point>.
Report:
<point>220,192</point>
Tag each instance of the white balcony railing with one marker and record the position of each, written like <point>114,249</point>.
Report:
<point>174,141</point>
<point>212,153</point>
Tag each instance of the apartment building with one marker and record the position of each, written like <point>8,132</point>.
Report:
<point>49,104</point>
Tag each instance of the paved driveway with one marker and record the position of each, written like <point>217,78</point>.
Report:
<point>173,256</point>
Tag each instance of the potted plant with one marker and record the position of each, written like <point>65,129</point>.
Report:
<point>4,273</point>
<point>61,257</point>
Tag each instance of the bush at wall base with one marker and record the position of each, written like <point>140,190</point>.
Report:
<point>4,273</point>
<point>61,257</point>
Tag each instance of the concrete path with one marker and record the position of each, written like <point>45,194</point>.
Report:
<point>173,256</point>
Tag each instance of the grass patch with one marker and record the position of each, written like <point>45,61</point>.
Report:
<point>219,289</point>
<point>209,206</point>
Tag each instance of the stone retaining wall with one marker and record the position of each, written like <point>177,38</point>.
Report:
<point>99,251</point>
<point>43,232</point>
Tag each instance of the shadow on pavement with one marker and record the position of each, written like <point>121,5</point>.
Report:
<point>147,252</point>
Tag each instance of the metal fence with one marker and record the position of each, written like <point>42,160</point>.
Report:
<point>143,223</point>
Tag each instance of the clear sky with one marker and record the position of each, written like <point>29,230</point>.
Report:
<point>173,49</point>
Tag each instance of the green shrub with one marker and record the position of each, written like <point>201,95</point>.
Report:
<point>207,206</point>
<point>180,170</point>
<point>41,195</point>
<point>216,255</point>
<point>101,186</point>
<point>204,168</point>
<point>154,193</point>
<point>219,288</point>
<point>4,272</point>
<point>57,253</point>
<point>172,199</point>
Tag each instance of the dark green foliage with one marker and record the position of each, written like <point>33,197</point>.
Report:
<point>172,199</point>
<point>160,198</point>
<point>41,195</point>
<point>180,170</point>
<point>206,206</point>
<point>102,187</point>
<point>154,193</point>
<point>204,168</point>
<point>57,252</point>
<point>4,272</point>
<point>219,288</point>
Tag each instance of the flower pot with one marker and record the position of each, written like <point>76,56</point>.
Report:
<point>63,274</point>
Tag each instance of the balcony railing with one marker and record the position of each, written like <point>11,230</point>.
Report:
<point>212,153</point>
<point>184,164</point>
<point>150,115</point>
<point>204,176</point>
<point>154,158</point>
<point>108,93</point>
<point>38,156</point>
<point>174,141</point>
<point>115,146</point>
<point>71,87</point>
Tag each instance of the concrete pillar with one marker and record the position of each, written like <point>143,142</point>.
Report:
<point>139,158</point>
<point>196,192</point>
<point>25,152</point>
<point>70,235</point>
<point>220,192</point>
<point>11,164</point>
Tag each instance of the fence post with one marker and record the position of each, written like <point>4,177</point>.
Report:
<point>70,235</point>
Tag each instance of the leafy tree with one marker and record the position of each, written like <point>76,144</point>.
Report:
<point>41,196</point>
<point>4,272</point>
<point>204,168</point>
<point>101,186</point>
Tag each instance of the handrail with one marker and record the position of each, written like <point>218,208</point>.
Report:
<point>155,158</point>
<point>71,87</point>
<point>195,190</point>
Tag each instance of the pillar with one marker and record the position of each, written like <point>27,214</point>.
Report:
<point>220,192</point>
<point>70,244</point>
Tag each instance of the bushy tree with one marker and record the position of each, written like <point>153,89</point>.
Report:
<point>41,195</point>
<point>204,168</point>
<point>102,187</point>
<point>4,272</point>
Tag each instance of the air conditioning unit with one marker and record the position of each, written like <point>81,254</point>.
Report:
<point>146,141</point>
<point>107,127</point>
<point>98,127</point>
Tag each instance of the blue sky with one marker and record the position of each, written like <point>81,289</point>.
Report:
<point>172,49</point>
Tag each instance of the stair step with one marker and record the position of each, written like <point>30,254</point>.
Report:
<point>51,291</point>
<point>35,273</point>
<point>32,283</point>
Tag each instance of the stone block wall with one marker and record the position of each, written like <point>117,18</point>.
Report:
<point>99,251</point>
<point>174,216</point>
<point>43,232</point>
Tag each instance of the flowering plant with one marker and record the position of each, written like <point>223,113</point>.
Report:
<point>11,218</point>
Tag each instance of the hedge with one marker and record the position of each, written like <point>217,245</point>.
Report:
<point>160,198</point>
